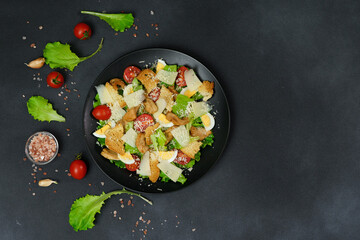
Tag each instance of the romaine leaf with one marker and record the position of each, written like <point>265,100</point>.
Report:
<point>170,68</point>
<point>197,122</point>
<point>96,101</point>
<point>83,210</point>
<point>208,141</point>
<point>58,55</point>
<point>101,141</point>
<point>119,164</point>
<point>118,21</point>
<point>181,104</point>
<point>40,108</point>
<point>197,96</point>
<point>129,125</point>
<point>173,144</point>
<point>182,179</point>
<point>197,156</point>
<point>132,150</point>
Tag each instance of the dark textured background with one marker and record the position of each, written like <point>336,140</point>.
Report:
<point>291,73</point>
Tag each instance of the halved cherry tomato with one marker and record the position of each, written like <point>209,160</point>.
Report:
<point>142,122</point>
<point>101,112</point>
<point>134,166</point>
<point>78,169</point>
<point>131,72</point>
<point>55,79</point>
<point>180,79</point>
<point>82,31</point>
<point>182,158</point>
<point>154,94</point>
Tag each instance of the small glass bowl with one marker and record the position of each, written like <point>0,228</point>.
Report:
<point>27,150</point>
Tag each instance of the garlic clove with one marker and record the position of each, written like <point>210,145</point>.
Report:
<point>46,182</point>
<point>37,63</point>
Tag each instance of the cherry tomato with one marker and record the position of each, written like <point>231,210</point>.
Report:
<point>142,122</point>
<point>182,158</point>
<point>180,79</point>
<point>55,79</point>
<point>134,166</point>
<point>131,72</point>
<point>154,94</point>
<point>78,169</point>
<point>82,31</point>
<point>101,112</point>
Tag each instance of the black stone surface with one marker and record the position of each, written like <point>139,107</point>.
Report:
<point>291,73</point>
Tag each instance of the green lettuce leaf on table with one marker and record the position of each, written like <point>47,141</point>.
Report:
<point>84,209</point>
<point>58,55</point>
<point>40,108</point>
<point>118,21</point>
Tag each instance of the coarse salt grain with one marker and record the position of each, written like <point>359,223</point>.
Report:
<point>42,148</point>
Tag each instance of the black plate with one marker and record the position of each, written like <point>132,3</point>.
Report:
<point>209,155</point>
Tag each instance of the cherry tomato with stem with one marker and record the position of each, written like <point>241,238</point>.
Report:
<point>180,79</point>
<point>82,31</point>
<point>78,168</point>
<point>134,166</point>
<point>55,79</point>
<point>130,73</point>
<point>101,112</point>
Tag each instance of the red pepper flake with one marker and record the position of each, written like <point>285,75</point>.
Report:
<point>137,223</point>
<point>40,169</point>
<point>152,24</point>
<point>66,109</point>
<point>54,191</point>
<point>132,204</point>
<point>157,34</point>
<point>134,35</point>
<point>58,154</point>
<point>24,158</point>
<point>78,95</point>
<point>116,34</point>
<point>136,28</point>
<point>69,174</point>
<point>145,231</point>
<point>68,129</point>
<point>89,184</point>
<point>45,173</point>
<point>148,222</point>
<point>33,45</point>
<point>129,202</point>
<point>34,181</point>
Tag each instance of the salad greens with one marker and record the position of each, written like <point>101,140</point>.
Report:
<point>96,101</point>
<point>181,104</point>
<point>84,209</point>
<point>158,139</point>
<point>208,141</point>
<point>170,68</point>
<point>132,150</point>
<point>58,55</point>
<point>182,179</point>
<point>40,108</point>
<point>118,21</point>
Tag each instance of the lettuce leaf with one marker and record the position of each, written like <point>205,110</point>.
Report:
<point>170,68</point>
<point>133,150</point>
<point>84,209</point>
<point>180,106</point>
<point>182,179</point>
<point>40,108</point>
<point>58,55</point>
<point>158,139</point>
<point>118,21</point>
<point>118,163</point>
<point>96,101</point>
<point>173,144</point>
<point>208,141</point>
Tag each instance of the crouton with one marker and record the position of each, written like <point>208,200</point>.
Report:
<point>113,138</point>
<point>206,89</point>
<point>147,78</point>
<point>168,96</point>
<point>115,95</point>
<point>191,149</point>
<point>109,154</point>
<point>148,131</point>
<point>155,171</point>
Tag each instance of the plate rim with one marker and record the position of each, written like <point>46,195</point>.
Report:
<point>156,49</point>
